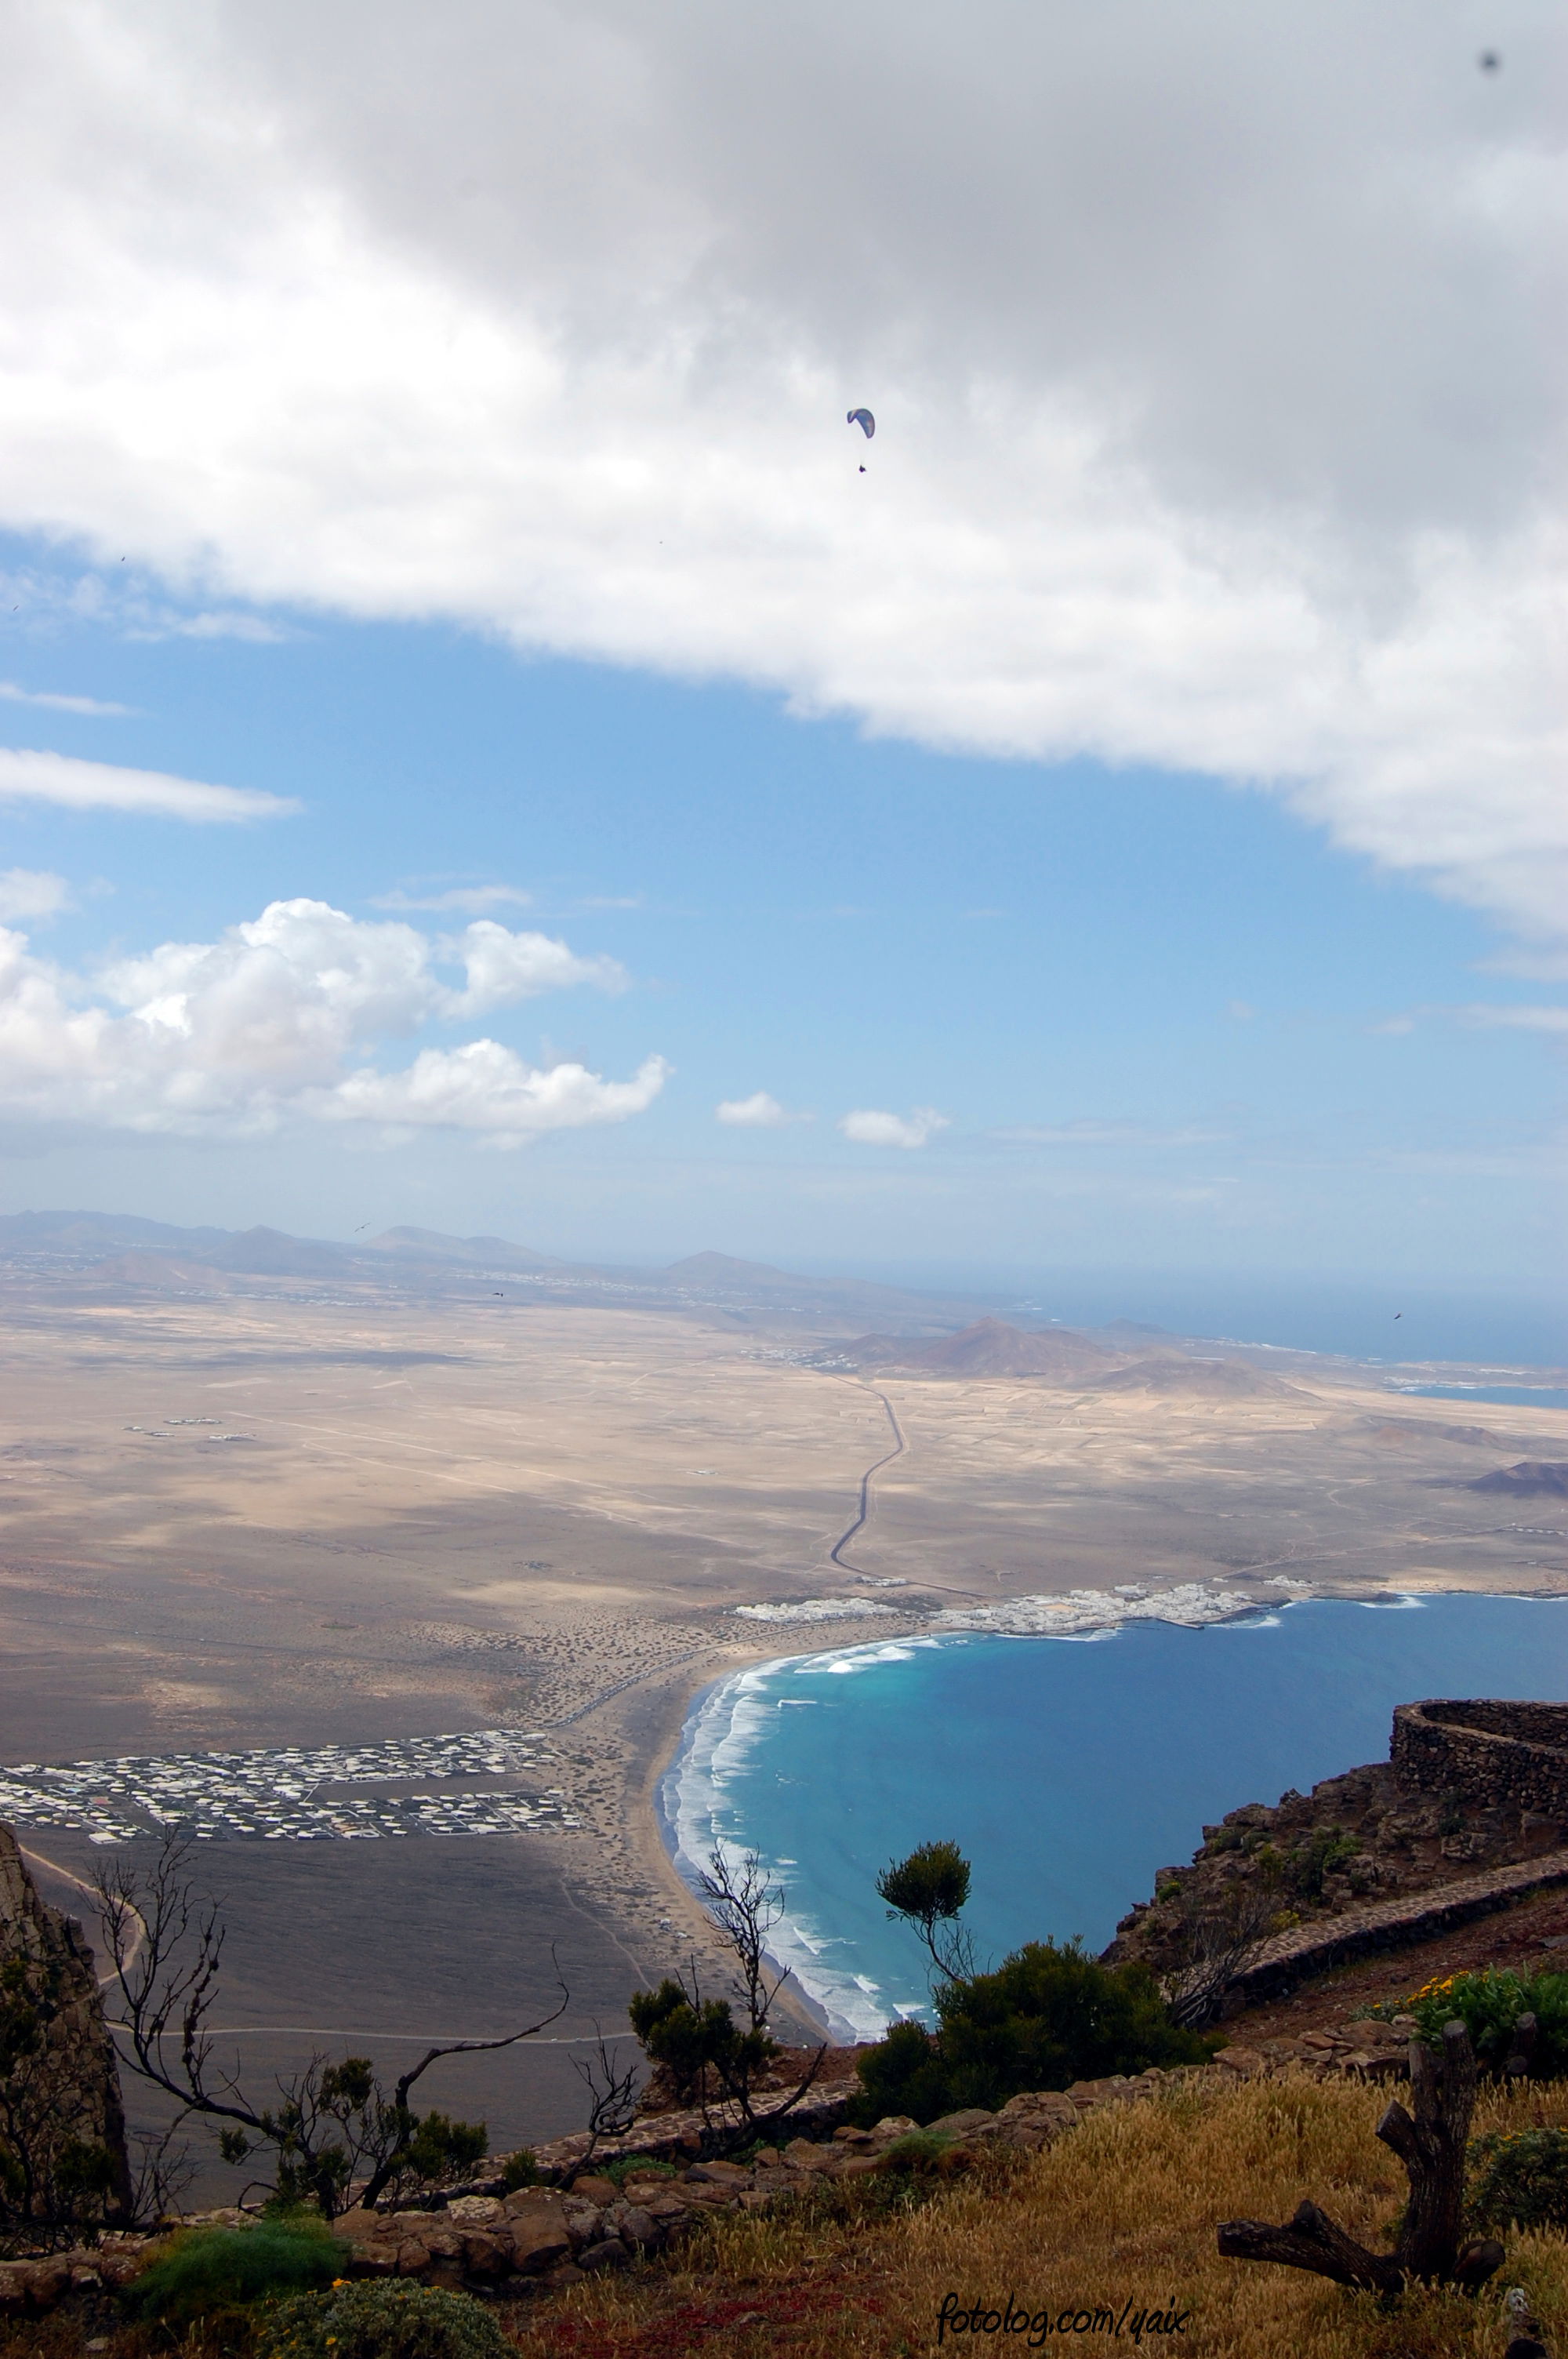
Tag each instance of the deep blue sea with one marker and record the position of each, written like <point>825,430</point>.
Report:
<point>1502,1396</point>
<point>1068,1771</point>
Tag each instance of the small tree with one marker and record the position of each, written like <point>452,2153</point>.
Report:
<point>927,1890</point>
<point>709,2060</point>
<point>336,2132</point>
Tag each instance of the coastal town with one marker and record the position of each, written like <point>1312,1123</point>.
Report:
<point>276,1794</point>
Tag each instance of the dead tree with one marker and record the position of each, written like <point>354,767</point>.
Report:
<point>745,1907</point>
<point>1220,1941</point>
<point>335,2131</point>
<point>1431,2146</point>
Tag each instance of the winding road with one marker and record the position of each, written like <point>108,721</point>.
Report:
<point>835,1554</point>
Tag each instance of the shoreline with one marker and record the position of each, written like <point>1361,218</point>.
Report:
<point>685,1790</point>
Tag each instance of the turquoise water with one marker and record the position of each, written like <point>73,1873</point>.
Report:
<point>1069,1771</point>
<point>1504,1395</point>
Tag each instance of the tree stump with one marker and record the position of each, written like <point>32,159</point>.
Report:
<point>1431,2148</point>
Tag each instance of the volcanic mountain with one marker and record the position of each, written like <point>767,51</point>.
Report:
<point>989,1348</point>
<point>1532,1477</point>
<point>1201,1379</point>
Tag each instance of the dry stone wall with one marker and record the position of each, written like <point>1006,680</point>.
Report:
<point>1491,1755</point>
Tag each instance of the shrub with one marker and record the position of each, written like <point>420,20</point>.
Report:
<point>697,2041</point>
<point>520,2169</point>
<point>1049,2014</point>
<point>202,2272</point>
<point>917,2153</point>
<point>382,2320</point>
<point>1520,2179</point>
<point>1489,2003</point>
<point>1324,1850</point>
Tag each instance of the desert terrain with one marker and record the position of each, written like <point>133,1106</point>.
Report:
<point>246,1510</point>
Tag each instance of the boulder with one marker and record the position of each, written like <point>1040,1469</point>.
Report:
<point>970,2123</point>
<point>611,2253</point>
<point>536,2218</point>
<point>590,2189</point>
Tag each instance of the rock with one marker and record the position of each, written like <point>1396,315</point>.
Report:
<point>1247,2062</point>
<point>1032,2121</point>
<point>536,2221</point>
<point>806,2157</point>
<point>969,2124</point>
<point>720,2174</point>
<point>894,2126</point>
<point>593,2190</point>
<point>374,2260</point>
<point>611,2253</point>
<point>357,2226</point>
<point>475,2210</point>
<point>584,2223</point>
<point>635,2226</point>
<point>486,2254</point>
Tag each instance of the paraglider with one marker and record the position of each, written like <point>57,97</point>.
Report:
<point>864,421</point>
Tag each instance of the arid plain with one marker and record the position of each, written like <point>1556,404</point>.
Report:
<point>468,1505</point>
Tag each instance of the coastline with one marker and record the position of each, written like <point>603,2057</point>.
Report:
<point>835,1961</point>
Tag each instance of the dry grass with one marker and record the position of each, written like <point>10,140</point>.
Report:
<point>1127,2207</point>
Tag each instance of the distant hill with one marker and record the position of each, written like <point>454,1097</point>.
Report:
<point>1407,1430</point>
<point>1532,1478</point>
<point>987,1348</point>
<point>431,1245</point>
<point>1200,1379</point>
<point>99,1233</point>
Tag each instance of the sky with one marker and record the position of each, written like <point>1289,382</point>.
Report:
<point>485,743</point>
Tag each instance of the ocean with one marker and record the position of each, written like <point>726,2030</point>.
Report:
<point>1068,1771</point>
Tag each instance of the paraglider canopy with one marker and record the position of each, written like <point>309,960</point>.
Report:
<point>862,418</point>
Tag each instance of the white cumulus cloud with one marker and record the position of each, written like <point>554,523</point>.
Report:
<point>32,892</point>
<point>273,1022</point>
<point>867,1126</point>
<point>1212,350</point>
<point>89,705</point>
<point>759,1112</point>
<point>102,785</point>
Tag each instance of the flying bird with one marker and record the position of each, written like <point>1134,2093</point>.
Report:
<point>1489,61</point>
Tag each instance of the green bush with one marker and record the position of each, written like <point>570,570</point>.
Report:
<point>382,2320</point>
<point>1049,2014</point>
<point>203,2272</point>
<point>1520,2180</point>
<point>1488,2004</point>
<point>520,2169</point>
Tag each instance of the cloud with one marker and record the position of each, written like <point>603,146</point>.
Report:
<point>271,1024</point>
<point>1521,1020</point>
<point>1089,1133</point>
<point>1218,401</point>
<point>90,705</point>
<point>101,786</point>
<point>32,892</point>
<point>759,1112</point>
<point>473,900</point>
<point>867,1127</point>
<point>485,1087</point>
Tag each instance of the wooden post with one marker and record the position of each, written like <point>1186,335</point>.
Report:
<point>1431,2146</point>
